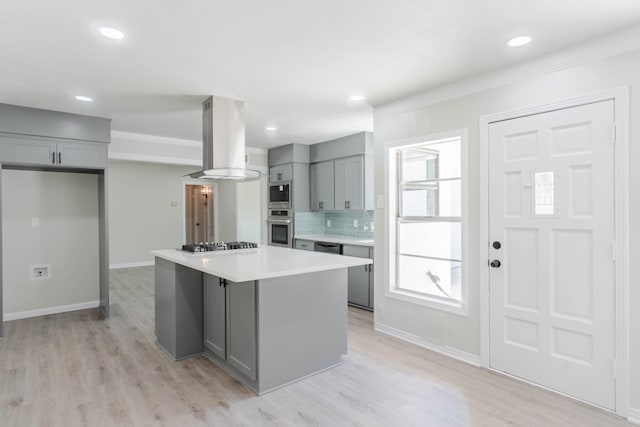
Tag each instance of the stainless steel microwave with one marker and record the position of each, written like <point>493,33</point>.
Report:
<point>280,195</point>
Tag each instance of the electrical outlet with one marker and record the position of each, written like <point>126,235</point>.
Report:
<point>40,271</point>
<point>355,223</point>
<point>35,221</point>
<point>328,223</point>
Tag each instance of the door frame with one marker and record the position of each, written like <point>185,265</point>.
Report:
<point>183,220</point>
<point>620,96</point>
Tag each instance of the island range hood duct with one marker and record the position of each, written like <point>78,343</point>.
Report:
<point>223,154</point>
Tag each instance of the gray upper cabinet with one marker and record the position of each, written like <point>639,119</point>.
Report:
<point>82,155</point>
<point>39,151</point>
<point>349,183</point>
<point>281,173</point>
<point>291,163</point>
<point>215,316</point>
<point>321,181</point>
<point>351,161</point>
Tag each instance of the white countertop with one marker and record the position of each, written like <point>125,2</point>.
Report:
<point>329,238</point>
<point>265,262</point>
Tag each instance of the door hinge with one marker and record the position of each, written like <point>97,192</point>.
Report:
<point>613,251</point>
<point>613,133</point>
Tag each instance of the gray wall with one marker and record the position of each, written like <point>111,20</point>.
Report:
<point>462,333</point>
<point>141,217</point>
<point>66,205</point>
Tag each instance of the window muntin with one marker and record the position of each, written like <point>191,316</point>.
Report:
<point>427,246</point>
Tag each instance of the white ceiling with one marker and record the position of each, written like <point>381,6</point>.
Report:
<point>293,62</point>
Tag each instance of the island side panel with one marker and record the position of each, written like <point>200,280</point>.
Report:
<point>302,322</point>
<point>178,309</point>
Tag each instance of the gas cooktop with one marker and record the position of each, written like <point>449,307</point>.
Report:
<point>217,246</point>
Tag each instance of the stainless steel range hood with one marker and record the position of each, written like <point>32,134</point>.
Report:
<point>223,154</point>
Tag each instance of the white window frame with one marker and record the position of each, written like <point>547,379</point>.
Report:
<point>391,208</point>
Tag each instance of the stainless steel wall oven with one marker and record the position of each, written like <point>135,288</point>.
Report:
<point>280,224</point>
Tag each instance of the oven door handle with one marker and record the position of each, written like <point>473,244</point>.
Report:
<point>279,221</point>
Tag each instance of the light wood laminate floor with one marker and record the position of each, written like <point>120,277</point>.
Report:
<point>73,369</point>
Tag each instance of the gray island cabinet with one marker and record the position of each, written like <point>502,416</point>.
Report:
<point>268,316</point>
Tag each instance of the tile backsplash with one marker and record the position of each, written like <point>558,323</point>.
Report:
<point>349,223</point>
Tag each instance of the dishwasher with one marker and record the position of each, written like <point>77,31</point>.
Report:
<point>332,248</point>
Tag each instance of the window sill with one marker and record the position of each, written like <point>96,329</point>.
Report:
<point>453,307</point>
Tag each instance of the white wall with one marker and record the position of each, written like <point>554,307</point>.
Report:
<point>141,214</point>
<point>430,113</point>
<point>66,206</point>
<point>242,210</point>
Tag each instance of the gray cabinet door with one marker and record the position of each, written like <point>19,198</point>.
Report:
<point>306,245</point>
<point>215,316</point>
<point>27,150</point>
<point>82,155</point>
<point>341,194</point>
<point>349,184</point>
<point>321,179</point>
<point>281,173</point>
<point>355,183</point>
<point>241,327</point>
<point>358,277</point>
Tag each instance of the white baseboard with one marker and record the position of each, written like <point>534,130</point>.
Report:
<point>633,416</point>
<point>50,310</point>
<point>469,358</point>
<point>131,264</point>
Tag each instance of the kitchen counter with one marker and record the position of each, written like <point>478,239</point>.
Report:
<point>265,262</point>
<point>330,238</point>
<point>268,316</point>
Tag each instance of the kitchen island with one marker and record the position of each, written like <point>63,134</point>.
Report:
<point>268,316</point>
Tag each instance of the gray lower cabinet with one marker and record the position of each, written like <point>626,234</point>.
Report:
<point>241,327</point>
<point>215,316</point>
<point>360,279</point>
<point>306,245</point>
<point>178,320</point>
<point>230,323</point>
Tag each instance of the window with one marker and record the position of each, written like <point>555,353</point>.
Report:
<point>426,224</point>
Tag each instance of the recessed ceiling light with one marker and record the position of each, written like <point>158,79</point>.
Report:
<point>271,128</point>
<point>83,98</point>
<point>518,41</point>
<point>357,98</point>
<point>111,33</point>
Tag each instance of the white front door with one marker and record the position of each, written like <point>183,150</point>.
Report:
<point>551,230</point>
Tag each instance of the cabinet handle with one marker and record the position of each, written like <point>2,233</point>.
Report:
<point>59,158</point>
<point>53,157</point>
<point>320,205</point>
<point>279,176</point>
<point>348,204</point>
<point>223,282</point>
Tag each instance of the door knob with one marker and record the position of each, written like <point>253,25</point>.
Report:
<point>495,263</point>
<point>497,245</point>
